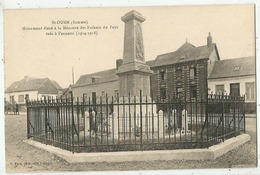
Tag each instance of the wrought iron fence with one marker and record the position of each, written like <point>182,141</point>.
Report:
<point>134,122</point>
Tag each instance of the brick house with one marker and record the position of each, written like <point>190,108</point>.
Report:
<point>183,73</point>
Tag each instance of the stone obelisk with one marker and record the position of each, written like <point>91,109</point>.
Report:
<point>134,73</point>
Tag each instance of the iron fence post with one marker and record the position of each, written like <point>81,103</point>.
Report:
<point>72,123</point>
<point>196,107</point>
<point>107,118</point>
<point>118,116</point>
<point>191,106</point>
<point>152,121</point>
<point>101,118</point>
<point>146,118</point>
<point>234,115</point>
<point>78,110</point>
<point>135,125</point>
<point>123,119</point>
<point>163,129</point>
<point>244,113</point>
<point>238,113</point>
<point>201,118</point>
<point>129,112</point>
<point>141,122</point>
<point>84,118</point>
<point>46,120</point>
<point>223,120</point>
<point>90,120</point>
<point>28,120</point>
<point>207,119</point>
<point>113,131</point>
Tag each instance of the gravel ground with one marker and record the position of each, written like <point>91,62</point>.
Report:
<point>21,157</point>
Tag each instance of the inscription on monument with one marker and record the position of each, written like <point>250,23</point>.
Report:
<point>139,43</point>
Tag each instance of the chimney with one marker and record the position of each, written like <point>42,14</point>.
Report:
<point>26,78</point>
<point>209,40</point>
<point>119,62</point>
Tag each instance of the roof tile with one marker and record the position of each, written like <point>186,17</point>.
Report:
<point>103,76</point>
<point>187,52</point>
<point>226,68</point>
<point>29,84</point>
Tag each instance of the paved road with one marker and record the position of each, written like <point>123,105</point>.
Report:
<point>21,157</point>
<point>251,124</point>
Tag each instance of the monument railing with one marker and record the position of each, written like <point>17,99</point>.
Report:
<point>135,123</point>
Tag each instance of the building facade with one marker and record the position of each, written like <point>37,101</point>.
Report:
<point>97,85</point>
<point>235,77</point>
<point>31,89</point>
<point>183,73</point>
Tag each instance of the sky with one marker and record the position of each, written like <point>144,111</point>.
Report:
<point>33,53</point>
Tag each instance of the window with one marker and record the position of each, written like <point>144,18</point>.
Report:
<point>95,79</point>
<point>193,73</point>
<point>11,99</point>
<point>236,68</point>
<point>116,95</point>
<point>103,94</point>
<point>85,97</point>
<point>193,91</point>
<point>162,75</point>
<point>220,89</point>
<point>47,97</point>
<point>26,96</point>
<point>179,72</point>
<point>21,98</point>
<point>250,91</point>
<point>235,89</point>
<point>163,93</point>
<point>44,97</point>
<point>179,91</point>
<point>94,98</point>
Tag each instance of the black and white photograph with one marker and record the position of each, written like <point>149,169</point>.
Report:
<point>130,88</point>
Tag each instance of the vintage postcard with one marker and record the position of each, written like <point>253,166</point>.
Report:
<point>130,88</point>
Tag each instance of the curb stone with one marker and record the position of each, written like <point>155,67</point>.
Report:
<point>211,153</point>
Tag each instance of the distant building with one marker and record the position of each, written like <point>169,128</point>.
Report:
<point>235,77</point>
<point>97,85</point>
<point>31,88</point>
<point>64,93</point>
